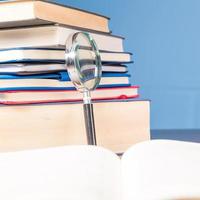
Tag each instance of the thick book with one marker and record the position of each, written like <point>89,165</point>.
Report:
<point>119,124</point>
<point>53,36</point>
<point>27,13</point>
<point>37,68</point>
<point>51,55</point>
<point>52,96</point>
<point>60,80</point>
<point>150,170</point>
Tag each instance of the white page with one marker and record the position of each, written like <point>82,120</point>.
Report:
<point>161,169</point>
<point>61,173</point>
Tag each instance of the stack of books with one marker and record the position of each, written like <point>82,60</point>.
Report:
<point>36,93</point>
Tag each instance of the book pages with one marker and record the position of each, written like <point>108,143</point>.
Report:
<point>72,172</point>
<point>162,169</point>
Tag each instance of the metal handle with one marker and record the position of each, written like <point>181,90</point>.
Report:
<point>89,124</point>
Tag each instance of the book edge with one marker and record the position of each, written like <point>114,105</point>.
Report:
<point>50,24</point>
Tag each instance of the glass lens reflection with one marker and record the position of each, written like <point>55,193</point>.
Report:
<point>87,61</point>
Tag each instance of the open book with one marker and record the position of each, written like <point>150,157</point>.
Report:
<point>152,170</point>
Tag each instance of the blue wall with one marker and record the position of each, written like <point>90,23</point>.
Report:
<point>164,36</point>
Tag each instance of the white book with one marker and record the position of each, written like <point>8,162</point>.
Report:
<point>153,170</point>
<point>24,69</point>
<point>53,55</point>
<point>37,83</point>
<point>53,36</point>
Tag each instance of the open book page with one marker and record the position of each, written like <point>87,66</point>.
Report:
<point>71,172</point>
<point>161,169</point>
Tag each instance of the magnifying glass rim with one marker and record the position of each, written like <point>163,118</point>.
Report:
<point>73,64</point>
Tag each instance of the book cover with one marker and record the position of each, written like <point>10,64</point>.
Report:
<point>26,13</point>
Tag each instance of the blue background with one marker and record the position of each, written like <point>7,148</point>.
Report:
<point>164,37</point>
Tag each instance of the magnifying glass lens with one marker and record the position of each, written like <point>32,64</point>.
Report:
<point>85,71</point>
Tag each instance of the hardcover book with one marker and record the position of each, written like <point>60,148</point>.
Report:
<point>119,124</point>
<point>60,80</point>
<point>38,68</point>
<point>52,96</point>
<point>26,13</point>
<point>53,36</point>
<point>50,55</point>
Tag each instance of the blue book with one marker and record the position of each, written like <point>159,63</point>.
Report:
<point>55,81</point>
<point>61,76</point>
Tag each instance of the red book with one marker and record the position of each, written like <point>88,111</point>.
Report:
<point>53,96</point>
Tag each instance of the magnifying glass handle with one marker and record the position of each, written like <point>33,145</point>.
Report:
<point>89,118</point>
<point>89,124</point>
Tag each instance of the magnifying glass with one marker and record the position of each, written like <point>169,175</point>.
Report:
<point>83,64</point>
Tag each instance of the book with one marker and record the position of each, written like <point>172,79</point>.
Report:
<point>37,68</point>
<point>119,124</point>
<point>50,55</point>
<point>150,170</point>
<point>28,13</point>
<point>53,36</point>
<point>60,80</point>
<point>52,96</point>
